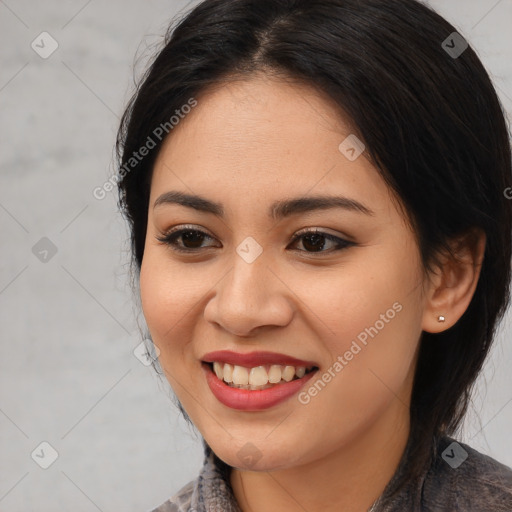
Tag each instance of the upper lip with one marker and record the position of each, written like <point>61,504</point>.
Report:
<point>253,359</point>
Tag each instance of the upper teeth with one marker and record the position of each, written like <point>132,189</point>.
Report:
<point>257,376</point>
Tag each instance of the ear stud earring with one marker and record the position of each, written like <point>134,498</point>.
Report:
<point>441,318</point>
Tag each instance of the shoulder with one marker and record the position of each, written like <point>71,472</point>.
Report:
<point>211,490</point>
<point>466,480</point>
<point>181,501</point>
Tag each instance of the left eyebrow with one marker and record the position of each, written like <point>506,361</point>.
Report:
<point>288,207</point>
<point>278,210</point>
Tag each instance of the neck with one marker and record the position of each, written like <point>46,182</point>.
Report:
<point>350,478</point>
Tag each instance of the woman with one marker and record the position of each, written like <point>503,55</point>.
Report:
<point>316,192</point>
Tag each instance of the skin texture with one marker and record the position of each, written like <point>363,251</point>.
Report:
<point>245,145</point>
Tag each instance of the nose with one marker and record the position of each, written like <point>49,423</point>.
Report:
<point>250,298</point>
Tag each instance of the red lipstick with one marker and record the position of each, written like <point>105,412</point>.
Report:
<point>254,400</point>
<point>252,359</point>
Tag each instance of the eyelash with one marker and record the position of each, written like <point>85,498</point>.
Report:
<point>170,238</point>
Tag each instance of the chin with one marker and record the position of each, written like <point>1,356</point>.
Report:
<point>256,455</point>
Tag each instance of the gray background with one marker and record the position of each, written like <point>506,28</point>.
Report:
<point>68,375</point>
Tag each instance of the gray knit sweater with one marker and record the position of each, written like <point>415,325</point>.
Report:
<point>461,479</point>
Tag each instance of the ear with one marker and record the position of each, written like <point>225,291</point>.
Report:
<point>452,286</point>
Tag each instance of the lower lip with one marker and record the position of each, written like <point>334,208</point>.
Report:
<point>247,400</point>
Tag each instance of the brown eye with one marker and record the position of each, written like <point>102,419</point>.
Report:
<point>314,241</point>
<point>191,239</point>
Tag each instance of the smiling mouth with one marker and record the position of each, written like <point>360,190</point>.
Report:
<point>258,377</point>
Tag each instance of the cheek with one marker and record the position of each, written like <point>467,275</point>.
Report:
<point>164,299</point>
<point>363,302</point>
<point>171,297</point>
<point>152,294</point>
<point>370,317</point>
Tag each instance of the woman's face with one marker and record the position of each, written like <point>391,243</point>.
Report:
<point>351,305</point>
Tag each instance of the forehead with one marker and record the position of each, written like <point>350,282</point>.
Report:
<point>267,138</point>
